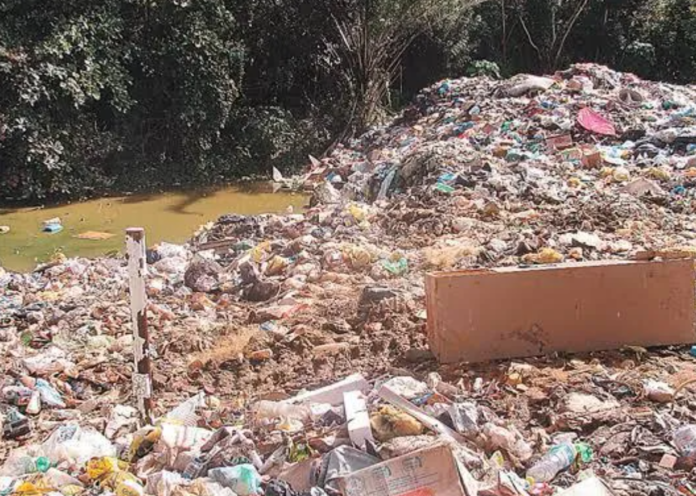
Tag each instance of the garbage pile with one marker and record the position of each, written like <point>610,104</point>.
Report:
<point>290,352</point>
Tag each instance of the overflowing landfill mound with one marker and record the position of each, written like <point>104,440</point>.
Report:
<point>290,353</point>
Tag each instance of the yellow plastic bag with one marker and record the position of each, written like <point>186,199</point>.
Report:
<point>358,213</point>
<point>101,468</point>
<point>258,252</point>
<point>276,266</point>
<point>38,487</point>
<point>143,442</point>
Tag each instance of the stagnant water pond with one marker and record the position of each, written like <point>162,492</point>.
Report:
<point>172,217</point>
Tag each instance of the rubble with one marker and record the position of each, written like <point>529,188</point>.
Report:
<point>264,328</point>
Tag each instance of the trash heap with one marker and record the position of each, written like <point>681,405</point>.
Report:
<point>290,353</point>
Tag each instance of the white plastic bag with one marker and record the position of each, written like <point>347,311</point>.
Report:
<point>75,445</point>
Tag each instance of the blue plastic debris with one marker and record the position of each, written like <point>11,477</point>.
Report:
<point>52,228</point>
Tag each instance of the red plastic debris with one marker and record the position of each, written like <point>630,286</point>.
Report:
<point>595,123</point>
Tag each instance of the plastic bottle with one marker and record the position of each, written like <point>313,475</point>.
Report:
<point>559,458</point>
<point>685,441</point>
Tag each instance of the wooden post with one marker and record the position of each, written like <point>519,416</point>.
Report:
<point>137,269</point>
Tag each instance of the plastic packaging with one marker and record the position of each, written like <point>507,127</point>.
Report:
<point>7,484</point>
<point>111,474</point>
<point>266,410</point>
<point>169,250</point>
<point>15,424</point>
<point>179,438</point>
<point>206,487</point>
<point>685,442</point>
<point>396,267</point>
<point>76,445</point>
<point>164,483</point>
<point>49,395</point>
<point>185,413</point>
<point>171,265</point>
<point>508,439</point>
<point>20,462</point>
<point>194,468</point>
<point>52,228</point>
<point>17,395</point>
<point>50,361</point>
<point>242,479</point>
<point>559,458</point>
<point>61,479</point>
<point>143,442</point>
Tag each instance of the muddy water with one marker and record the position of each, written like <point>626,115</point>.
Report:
<point>169,217</point>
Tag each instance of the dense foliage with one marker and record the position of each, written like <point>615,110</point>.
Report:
<point>120,94</point>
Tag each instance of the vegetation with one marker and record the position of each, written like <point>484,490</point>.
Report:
<point>100,95</point>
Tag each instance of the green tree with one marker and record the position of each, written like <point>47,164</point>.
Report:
<point>100,90</point>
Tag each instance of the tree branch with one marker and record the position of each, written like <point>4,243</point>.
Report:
<point>529,36</point>
<point>573,20</point>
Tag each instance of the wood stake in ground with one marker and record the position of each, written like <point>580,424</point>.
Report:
<point>137,269</point>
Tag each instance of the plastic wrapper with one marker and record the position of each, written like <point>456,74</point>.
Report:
<point>164,483</point>
<point>242,479</point>
<point>77,445</point>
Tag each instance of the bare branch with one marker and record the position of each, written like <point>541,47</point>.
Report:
<point>573,20</point>
<point>529,36</point>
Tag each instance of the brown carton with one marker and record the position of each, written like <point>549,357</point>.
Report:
<point>573,307</point>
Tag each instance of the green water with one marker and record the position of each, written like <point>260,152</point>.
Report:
<point>169,217</point>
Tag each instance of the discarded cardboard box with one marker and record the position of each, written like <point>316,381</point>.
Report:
<point>516,312</point>
<point>430,471</point>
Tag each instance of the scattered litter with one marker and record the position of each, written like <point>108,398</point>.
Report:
<point>52,228</point>
<point>294,355</point>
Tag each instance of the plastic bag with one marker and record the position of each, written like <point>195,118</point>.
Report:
<point>185,413</point>
<point>50,361</point>
<point>258,253</point>
<point>169,250</point>
<point>21,461</point>
<point>242,479</point>
<point>358,213</point>
<point>595,123</point>
<point>164,483</point>
<point>143,442</point>
<point>111,474</point>
<point>61,479</point>
<point>206,487</point>
<point>396,265</point>
<point>171,265</point>
<point>75,445</point>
